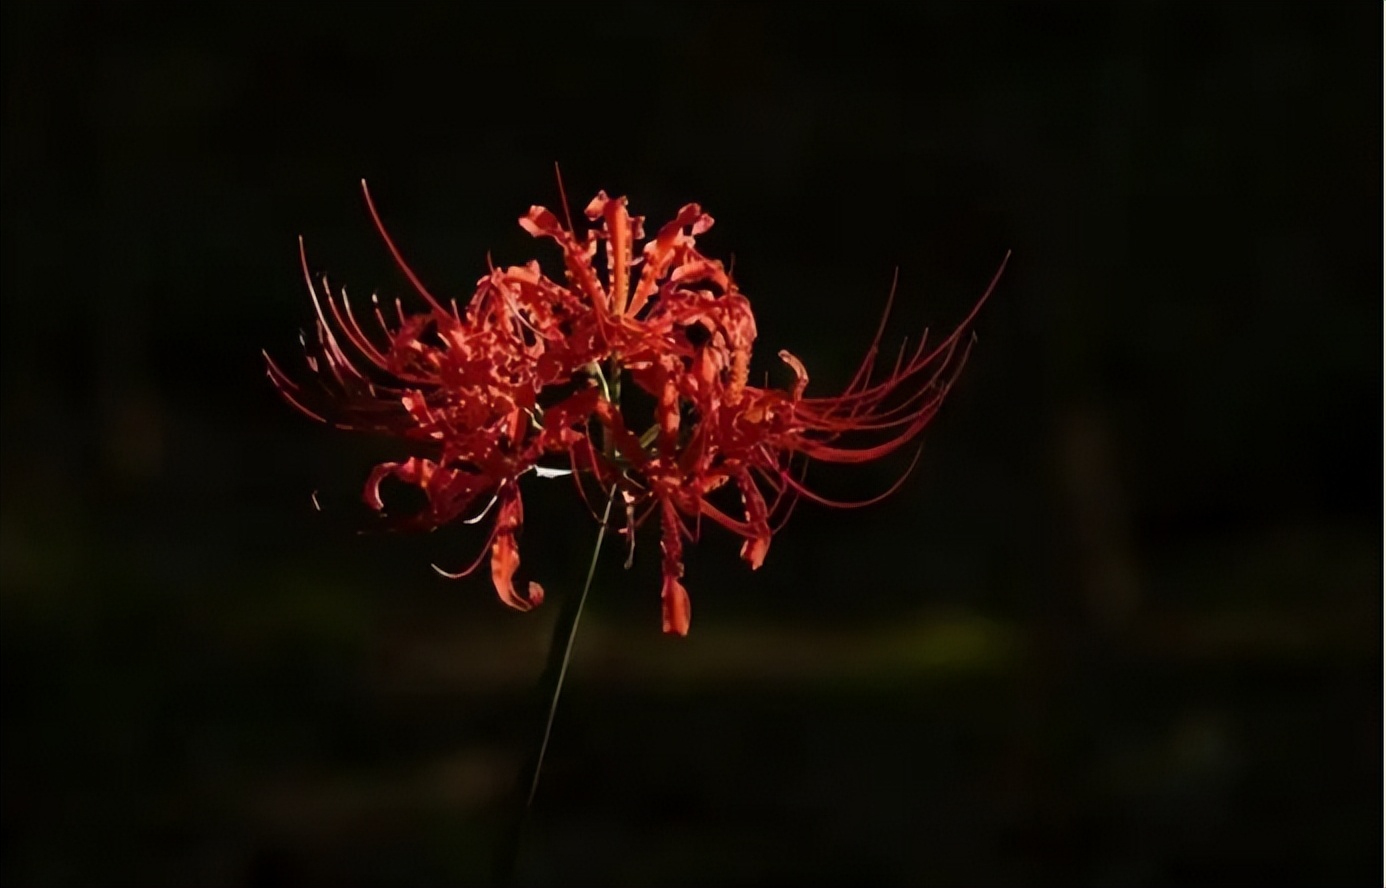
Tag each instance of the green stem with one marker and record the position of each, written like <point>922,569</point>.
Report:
<point>550,688</point>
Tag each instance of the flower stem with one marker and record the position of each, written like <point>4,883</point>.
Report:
<point>550,688</point>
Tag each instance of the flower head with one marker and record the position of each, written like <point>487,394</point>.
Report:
<point>532,368</point>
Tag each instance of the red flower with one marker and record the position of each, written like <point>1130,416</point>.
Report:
<point>463,386</point>
<point>518,375</point>
<point>686,336</point>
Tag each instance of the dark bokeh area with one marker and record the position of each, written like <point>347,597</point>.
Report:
<point>1120,627</point>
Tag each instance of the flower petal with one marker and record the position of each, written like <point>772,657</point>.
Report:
<point>677,612</point>
<point>675,598</point>
<point>505,553</point>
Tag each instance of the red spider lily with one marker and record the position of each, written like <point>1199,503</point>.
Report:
<point>740,433</point>
<point>651,331</point>
<point>490,390</point>
<point>464,386</point>
<point>751,436</point>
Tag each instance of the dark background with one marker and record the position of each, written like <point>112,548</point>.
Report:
<point>1121,627</point>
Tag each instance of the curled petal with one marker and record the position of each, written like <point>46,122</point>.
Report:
<point>661,252</point>
<point>800,373</point>
<point>577,256</point>
<point>563,421</point>
<point>505,560</point>
<point>505,553</point>
<point>621,230</point>
<point>753,551</point>
<point>677,611</point>
<point>540,222</point>
<point>412,471</point>
<point>627,443</point>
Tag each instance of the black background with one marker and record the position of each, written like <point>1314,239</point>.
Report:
<point>1121,627</point>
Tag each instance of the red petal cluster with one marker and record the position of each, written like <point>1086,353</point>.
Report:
<point>529,370</point>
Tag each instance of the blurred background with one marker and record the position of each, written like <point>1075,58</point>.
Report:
<point>1121,626</point>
